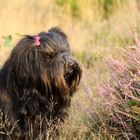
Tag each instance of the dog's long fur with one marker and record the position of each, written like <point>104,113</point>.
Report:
<point>37,83</point>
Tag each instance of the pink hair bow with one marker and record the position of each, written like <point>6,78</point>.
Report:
<point>37,40</point>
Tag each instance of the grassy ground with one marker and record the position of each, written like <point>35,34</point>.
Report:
<point>97,31</point>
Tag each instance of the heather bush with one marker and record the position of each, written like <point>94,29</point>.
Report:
<point>121,95</point>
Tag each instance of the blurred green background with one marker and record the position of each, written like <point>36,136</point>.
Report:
<point>96,28</point>
<point>95,25</point>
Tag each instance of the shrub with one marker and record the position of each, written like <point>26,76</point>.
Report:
<point>121,95</point>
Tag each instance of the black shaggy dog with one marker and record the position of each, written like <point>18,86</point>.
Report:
<point>36,86</point>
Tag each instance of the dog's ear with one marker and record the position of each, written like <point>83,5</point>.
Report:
<point>73,75</point>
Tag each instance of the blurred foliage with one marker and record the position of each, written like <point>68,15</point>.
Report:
<point>109,6</point>
<point>73,4</point>
<point>8,42</point>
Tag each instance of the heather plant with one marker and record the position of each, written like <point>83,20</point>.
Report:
<point>121,95</point>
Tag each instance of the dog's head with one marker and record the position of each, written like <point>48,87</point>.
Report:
<point>44,64</point>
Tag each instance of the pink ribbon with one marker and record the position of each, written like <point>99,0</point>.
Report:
<point>37,40</point>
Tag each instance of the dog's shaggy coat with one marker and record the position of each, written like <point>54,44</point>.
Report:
<point>36,85</point>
